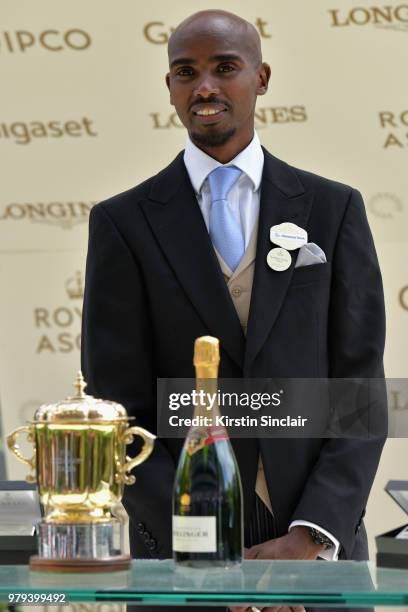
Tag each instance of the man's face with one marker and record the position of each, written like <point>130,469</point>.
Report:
<point>214,83</point>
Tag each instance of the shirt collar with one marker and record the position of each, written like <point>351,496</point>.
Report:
<point>199,165</point>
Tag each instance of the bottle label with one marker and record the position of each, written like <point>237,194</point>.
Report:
<point>194,534</point>
<point>215,434</point>
<point>199,438</point>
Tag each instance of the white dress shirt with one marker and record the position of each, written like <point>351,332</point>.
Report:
<point>243,199</point>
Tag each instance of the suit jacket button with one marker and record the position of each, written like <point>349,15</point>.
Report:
<point>140,527</point>
<point>147,535</point>
<point>151,544</point>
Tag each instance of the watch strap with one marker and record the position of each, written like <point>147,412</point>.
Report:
<point>320,538</point>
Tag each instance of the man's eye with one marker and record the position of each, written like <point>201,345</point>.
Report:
<point>184,72</point>
<point>226,68</point>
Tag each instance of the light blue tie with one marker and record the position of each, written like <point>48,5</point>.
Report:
<point>225,232</point>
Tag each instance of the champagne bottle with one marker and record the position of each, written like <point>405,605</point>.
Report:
<point>207,496</point>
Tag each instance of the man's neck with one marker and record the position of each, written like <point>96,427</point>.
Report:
<point>228,151</point>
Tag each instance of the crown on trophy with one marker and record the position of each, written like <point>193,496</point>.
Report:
<point>75,287</point>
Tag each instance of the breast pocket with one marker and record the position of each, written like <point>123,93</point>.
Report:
<point>316,273</point>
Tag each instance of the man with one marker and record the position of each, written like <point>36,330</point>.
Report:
<point>166,264</point>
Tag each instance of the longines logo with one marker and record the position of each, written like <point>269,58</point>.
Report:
<point>158,33</point>
<point>390,17</point>
<point>385,205</point>
<point>263,117</point>
<point>63,214</point>
<point>60,327</point>
<point>396,125</point>
<point>20,41</point>
<point>23,133</point>
<point>403,297</point>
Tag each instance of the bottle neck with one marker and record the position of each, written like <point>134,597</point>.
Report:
<point>207,372</point>
<point>207,391</point>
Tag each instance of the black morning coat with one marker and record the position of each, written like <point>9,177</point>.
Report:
<point>153,285</point>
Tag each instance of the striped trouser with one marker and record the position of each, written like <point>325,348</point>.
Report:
<point>261,526</point>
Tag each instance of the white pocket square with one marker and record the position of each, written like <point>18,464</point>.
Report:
<point>310,254</point>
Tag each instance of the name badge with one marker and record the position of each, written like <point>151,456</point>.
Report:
<point>288,236</point>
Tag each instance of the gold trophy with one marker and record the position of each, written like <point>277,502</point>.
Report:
<point>80,466</point>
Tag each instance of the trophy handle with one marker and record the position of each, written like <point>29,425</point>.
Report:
<point>15,449</point>
<point>147,448</point>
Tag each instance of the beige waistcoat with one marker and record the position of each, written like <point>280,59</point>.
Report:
<point>239,284</point>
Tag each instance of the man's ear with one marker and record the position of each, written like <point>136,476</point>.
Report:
<point>264,76</point>
<point>168,86</point>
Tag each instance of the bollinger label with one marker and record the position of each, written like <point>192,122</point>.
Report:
<point>194,534</point>
<point>200,437</point>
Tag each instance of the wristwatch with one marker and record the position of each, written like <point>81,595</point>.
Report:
<point>319,538</point>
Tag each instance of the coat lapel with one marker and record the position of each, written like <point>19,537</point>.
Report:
<point>177,222</point>
<point>283,198</point>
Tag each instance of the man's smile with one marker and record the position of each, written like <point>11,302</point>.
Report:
<point>208,111</point>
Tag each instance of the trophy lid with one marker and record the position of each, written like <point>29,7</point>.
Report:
<point>80,407</point>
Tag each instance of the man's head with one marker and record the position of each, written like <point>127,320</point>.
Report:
<point>215,75</point>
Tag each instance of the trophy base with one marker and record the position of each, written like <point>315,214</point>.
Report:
<point>76,566</point>
<point>80,547</point>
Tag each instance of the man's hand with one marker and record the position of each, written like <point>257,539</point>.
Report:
<point>297,544</point>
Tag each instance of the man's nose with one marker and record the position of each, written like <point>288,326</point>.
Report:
<point>206,87</point>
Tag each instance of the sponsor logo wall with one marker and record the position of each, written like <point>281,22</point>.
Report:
<point>20,41</point>
<point>392,17</point>
<point>85,114</point>
<point>39,333</point>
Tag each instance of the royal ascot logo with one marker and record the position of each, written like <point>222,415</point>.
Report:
<point>403,297</point>
<point>387,17</point>
<point>158,33</point>
<point>21,41</point>
<point>74,287</point>
<point>264,117</point>
<point>24,133</point>
<point>60,327</point>
<point>62,214</point>
<point>395,125</point>
<point>385,205</point>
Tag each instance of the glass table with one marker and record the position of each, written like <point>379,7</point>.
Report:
<point>341,583</point>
